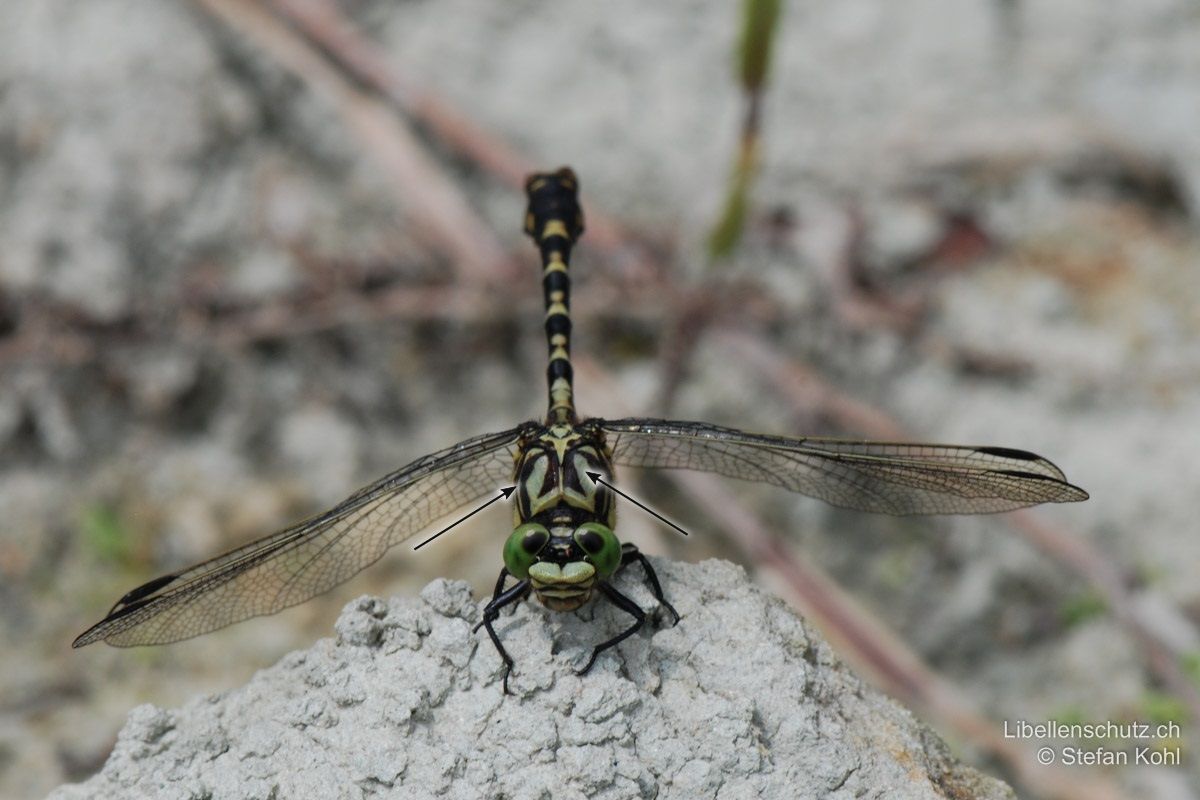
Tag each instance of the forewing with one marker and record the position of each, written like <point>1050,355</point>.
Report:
<point>302,561</point>
<point>885,477</point>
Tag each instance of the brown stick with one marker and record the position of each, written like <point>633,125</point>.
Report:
<point>858,636</point>
<point>323,23</point>
<point>358,56</point>
<point>1068,548</point>
<point>433,202</point>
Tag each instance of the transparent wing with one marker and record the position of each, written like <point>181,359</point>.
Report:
<point>302,561</point>
<point>867,476</point>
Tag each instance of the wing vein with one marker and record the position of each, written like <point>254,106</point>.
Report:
<point>312,556</point>
<point>885,477</point>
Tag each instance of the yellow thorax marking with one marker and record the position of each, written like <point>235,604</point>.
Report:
<point>561,437</point>
<point>535,482</point>
<point>586,496</point>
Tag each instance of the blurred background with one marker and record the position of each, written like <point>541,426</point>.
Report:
<point>256,253</point>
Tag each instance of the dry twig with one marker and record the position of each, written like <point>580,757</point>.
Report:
<point>358,56</point>
<point>1068,548</point>
<point>858,636</point>
<point>433,201</point>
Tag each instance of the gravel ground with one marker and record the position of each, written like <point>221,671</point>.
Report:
<point>404,704</point>
<point>1026,171</point>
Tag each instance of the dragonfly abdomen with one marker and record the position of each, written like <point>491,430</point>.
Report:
<point>555,221</point>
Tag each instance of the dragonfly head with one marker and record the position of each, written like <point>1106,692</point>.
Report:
<point>564,556</point>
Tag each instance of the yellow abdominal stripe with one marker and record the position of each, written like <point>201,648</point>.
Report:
<point>555,227</point>
<point>571,573</point>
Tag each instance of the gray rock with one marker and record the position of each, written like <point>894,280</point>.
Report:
<point>740,700</point>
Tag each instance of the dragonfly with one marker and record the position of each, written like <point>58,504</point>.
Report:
<point>562,548</point>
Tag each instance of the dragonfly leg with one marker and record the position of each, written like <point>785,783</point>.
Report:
<point>630,554</point>
<point>491,612</point>
<point>625,604</point>
<point>504,573</point>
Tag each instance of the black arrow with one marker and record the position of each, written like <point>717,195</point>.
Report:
<point>504,493</point>
<point>596,477</point>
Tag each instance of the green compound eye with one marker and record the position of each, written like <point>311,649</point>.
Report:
<point>522,546</point>
<point>601,545</point>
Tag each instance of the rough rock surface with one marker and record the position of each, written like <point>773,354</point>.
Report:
<point>740,700</point>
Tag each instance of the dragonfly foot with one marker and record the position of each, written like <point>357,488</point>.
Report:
<point>491,612</point>
<point>504,681</point>
<point>629,607</point>
<point>588,666</point>
<point>630,554</point>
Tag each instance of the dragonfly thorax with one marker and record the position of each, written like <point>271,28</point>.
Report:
<point>553,484</point>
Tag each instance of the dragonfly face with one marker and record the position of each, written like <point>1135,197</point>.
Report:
<point>561,563</point>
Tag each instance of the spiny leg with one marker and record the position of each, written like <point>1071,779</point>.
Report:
<point>491,612</point>
<point>630,554</point>
<point>628,606</point>
<point>504,573</point>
